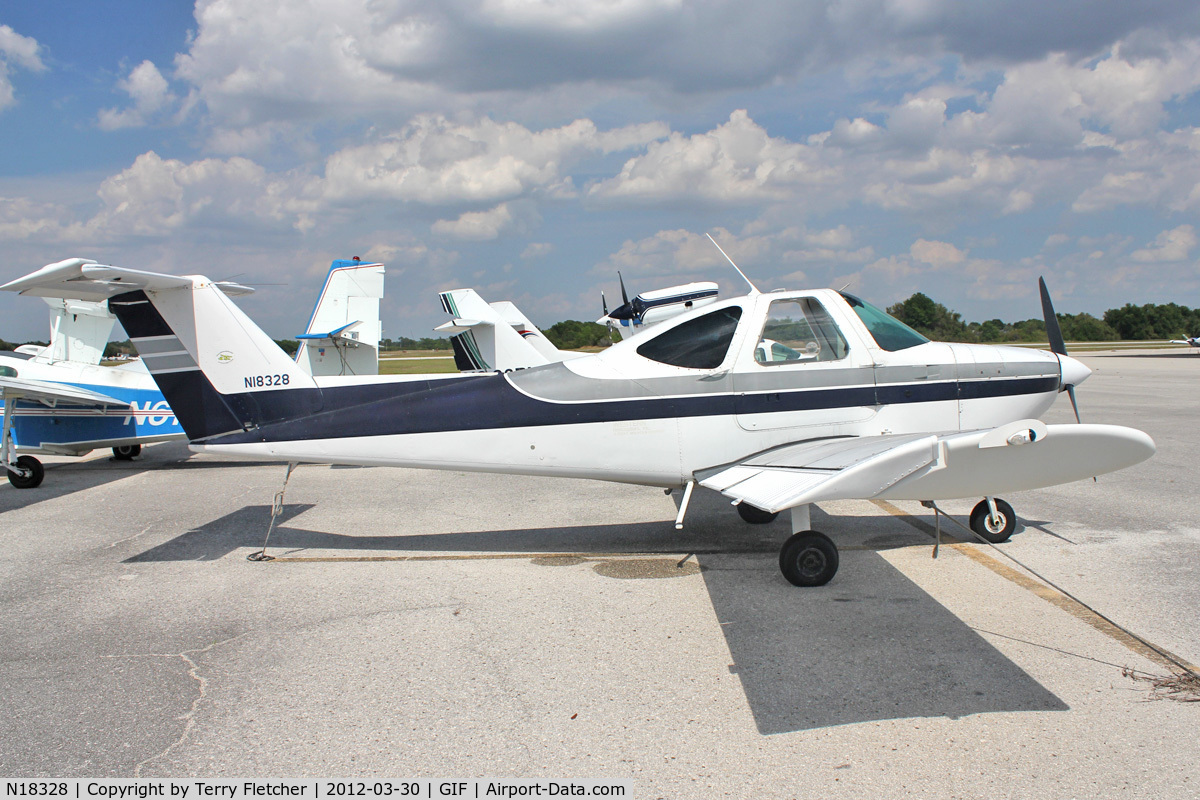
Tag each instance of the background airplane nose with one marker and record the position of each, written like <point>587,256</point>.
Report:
<point>1073,371</point>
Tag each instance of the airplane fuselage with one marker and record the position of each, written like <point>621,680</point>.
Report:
<point>67,430</point>
<point>625,415</point>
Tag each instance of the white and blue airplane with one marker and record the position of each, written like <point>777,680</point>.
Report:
<point>658,305</point>
<point>1190,341</point>
<point>60,400</point>
<point>874,410</point>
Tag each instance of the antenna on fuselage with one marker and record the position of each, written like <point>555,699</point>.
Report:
<point>753,288</point>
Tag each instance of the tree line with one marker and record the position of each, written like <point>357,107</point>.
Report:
<point>569,334</point>
<point>1130,322</point>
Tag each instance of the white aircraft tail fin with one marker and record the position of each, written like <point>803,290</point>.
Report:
<point>528,331</point>
<point>79,331</point>
<point>343,334</point>
<point>218,370</point>
<point>484,338</point>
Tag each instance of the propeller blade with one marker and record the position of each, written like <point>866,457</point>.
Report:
<point>1074,405</point>
<point>624,296</point>
<point>1052,330</point>
<point>604,302</point>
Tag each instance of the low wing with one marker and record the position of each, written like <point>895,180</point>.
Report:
<point>824,469</point>
<point>53,394</point>
<point>1026,454</point>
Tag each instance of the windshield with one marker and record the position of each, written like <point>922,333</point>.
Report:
<point>889,333</point>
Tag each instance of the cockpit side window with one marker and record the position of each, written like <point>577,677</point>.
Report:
<point>888,332</point>
<point>7,372</point>
<point>699,343</point>
<point>798,331</point>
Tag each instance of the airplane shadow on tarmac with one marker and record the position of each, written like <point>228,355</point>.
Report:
<point>872,645</point>
<point>67,477</point>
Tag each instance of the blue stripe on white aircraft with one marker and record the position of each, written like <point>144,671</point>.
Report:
<point>868,409</point>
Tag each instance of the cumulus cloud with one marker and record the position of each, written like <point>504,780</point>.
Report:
<point>299,60</point>
<point>478,225</point>
<point>148,90</point>
<point>1169,246</point>
<point>156,198</point>
<point>435,161</point>
<point>735,162</point>
<point>938,255</point>
<point>16,51</point>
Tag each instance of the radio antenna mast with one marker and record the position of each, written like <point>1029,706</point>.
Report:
<point>753,288</point>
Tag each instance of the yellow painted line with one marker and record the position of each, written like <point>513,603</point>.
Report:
<point>498,556</point>
<point>1047,593</point>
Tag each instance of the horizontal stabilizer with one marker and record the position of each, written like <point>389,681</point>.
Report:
<point>458,326</point>
<point>83,279</point>
<point>337,333</point>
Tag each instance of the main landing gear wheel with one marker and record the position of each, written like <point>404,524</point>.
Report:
<point>983,524</point>
<point>126,452</point>
<point>755,515</point>
<point>808,558</point>
<point>34,472</point>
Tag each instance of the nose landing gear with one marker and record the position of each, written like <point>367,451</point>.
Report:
<point>993,519</point>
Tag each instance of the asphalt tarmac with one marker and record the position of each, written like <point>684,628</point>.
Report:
<point>445,626</point>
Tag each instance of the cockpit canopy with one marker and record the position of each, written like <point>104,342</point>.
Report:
<point>794,329</point>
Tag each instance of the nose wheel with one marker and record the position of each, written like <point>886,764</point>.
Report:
<point>993,524</point>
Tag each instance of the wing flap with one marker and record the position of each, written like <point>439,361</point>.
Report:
<point>829,469</point>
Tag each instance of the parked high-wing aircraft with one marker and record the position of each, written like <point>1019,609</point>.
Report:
<point>60,400</point>
<point>875,410</point>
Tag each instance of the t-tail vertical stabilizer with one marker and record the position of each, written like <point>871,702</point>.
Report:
<point>343,334</point>
<point>484,339</point>
<point>217,369</point>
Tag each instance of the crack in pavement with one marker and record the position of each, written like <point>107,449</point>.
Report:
<point>189,718</point>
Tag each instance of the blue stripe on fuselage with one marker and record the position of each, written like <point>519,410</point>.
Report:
<point>35,425</point>
<point>485,402</point>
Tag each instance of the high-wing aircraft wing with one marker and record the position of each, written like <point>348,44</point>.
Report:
<point>55,393</point>
<point>1018,456</point>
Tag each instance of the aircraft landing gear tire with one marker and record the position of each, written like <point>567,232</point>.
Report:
<point>126,452</point>
<point>31,480</point>
<point>982,523</point>
<point>808,558</point>
<point>755,515</point>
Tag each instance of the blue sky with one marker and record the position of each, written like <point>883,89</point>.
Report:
<point>531,148</point>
